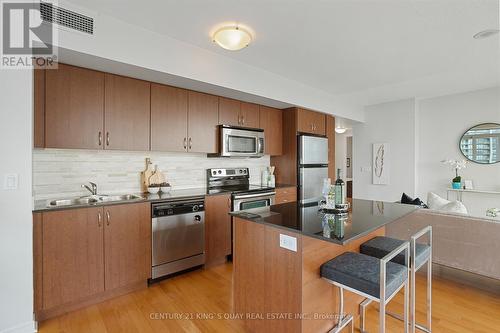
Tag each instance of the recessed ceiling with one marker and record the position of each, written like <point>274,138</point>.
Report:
<point>343,47</point>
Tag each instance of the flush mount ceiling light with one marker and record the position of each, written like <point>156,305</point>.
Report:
<point>232,37</point>
<point>340,130</point>
<point>486,33</point>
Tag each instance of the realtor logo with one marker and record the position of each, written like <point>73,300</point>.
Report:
<point>27,40</point>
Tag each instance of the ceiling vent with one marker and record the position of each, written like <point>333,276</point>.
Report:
<point>66,18</point>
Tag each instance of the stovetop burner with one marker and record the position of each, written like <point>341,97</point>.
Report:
<point>234,180</point>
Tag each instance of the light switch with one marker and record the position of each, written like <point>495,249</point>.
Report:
<point>288,242</point>
<point>366,169</point>
<point>10,182</point>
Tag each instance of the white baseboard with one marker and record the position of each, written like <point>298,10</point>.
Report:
<point>28,327</point>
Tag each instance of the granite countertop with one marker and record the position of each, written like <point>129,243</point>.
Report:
<point>42,205</point>
<point>366,216</point>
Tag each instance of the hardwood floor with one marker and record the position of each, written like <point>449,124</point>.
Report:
<point>179,304</point>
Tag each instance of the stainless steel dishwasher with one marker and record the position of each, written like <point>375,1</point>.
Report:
<point>178,235</point>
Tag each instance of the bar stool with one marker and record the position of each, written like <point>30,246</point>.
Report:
<point>365,275</point>
<point>420,254</point>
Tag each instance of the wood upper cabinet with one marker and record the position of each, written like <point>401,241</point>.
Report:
<point>271,121</point>
<point>39,108</point>
<point>311,122</point>
<point>169,118</point>
<point>217,228</point>
<point>203,116</point>
<point>127,113</point>
<point>237,113</point>
<point>127,240</point>
<point>72,255</point>
<point>229,112</point>
<point>74,108</point>
<point>249,115</point>
<point>330,134</point>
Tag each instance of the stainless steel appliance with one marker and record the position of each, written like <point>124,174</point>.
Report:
<point>240,142</point>
<point>237,182</point>
<point>178,235</point>
<point>313,167</point>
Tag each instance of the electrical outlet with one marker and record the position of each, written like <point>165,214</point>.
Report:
<point>288,242</point>
<point>10,181</point>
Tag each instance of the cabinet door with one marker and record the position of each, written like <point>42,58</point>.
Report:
<point>229,112</point>
<point>203,111</point>
<point>271,121</point>
<point>168,118</point>
<point>249,115</point>
<point>311,122</point>
<point>127,113</point>
<point>330,134</point>
<point>39,108</point>
<point>285,194</point>
<point>127,244</point>
<point>72,251</point>
<point>74,111</point>
<point>217,228</point>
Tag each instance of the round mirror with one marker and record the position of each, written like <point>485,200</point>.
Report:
<point>481,143</point>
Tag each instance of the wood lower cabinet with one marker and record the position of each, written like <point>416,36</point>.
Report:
<point>311,122</point>
<point>169,118</point>
<point>271,121</point>
<point>81,257</point>
<point>73,256</point>
<point>74,108</point>
<point>249,115</point>
<point>126,113</point>
<point>127,244</point>
<point>203,116</point>
<point>217,228</point>
<point>285,194</point>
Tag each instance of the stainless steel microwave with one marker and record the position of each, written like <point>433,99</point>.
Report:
<point>240,142</point>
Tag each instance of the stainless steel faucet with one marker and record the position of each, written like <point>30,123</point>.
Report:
<point>92,189</point>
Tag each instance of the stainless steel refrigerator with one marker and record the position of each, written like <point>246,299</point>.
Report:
<point>313,167</point>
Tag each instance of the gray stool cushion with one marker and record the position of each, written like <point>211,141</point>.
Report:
<point>362,273</point>
<point>380,246</point>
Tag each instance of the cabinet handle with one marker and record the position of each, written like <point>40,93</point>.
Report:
<point>185,143</point>
<point>190,143</point>
<point>100,138</point>
<point>108,217</point>
<point>107,138</point>
<point>312,127</point>
<point>229,203</point>
<point>239,119</point>
<point>99,219</point>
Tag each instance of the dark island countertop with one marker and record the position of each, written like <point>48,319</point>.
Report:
<point>366,216</point>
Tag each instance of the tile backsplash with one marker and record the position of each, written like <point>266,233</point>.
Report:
<point>60,172</point>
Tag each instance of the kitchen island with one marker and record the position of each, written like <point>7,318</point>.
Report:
<point>277,255</point>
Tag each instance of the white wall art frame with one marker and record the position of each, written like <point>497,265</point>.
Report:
<point>381,162</point>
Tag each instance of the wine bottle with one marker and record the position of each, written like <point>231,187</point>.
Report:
<point>340,189</point>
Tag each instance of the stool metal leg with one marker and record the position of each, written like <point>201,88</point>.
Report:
<point>429,288</point>
<point>362,312</point>
<point>343,320</point>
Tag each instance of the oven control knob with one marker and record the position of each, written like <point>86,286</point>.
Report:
<point>214,172</point>
<point>241,171</point>
<point>197,218</point>
<point>219,172</point>
<point>196,208</point>
<point>244,171</point>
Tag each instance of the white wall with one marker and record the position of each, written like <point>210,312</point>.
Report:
<point>16,276</point>
<point>392,123</point>
<point>60,172</point>
<point>442,121</point>
<point>341,152</point>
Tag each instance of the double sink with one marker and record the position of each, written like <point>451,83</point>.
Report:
<point>94,199</point>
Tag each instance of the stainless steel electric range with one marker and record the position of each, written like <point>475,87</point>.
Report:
<point>243,194</point>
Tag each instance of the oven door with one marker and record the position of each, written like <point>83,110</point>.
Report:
<point>248,201</point>
<point>241,142</point>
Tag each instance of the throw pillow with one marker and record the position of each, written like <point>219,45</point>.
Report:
<point>436,202</point>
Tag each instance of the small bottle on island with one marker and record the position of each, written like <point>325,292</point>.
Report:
<point>340,190</point>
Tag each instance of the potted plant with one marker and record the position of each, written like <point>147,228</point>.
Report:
<point>456,183</point>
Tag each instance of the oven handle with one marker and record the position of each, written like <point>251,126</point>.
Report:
<point>245,196</point>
